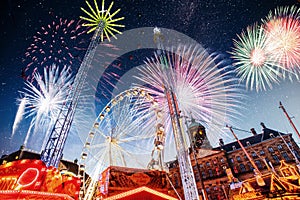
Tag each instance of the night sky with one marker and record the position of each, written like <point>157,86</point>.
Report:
<point>213,24</point>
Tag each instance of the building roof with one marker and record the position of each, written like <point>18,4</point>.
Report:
<point>24,153</point>
<point>254,139</point>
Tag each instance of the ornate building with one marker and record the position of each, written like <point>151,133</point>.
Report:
<point>222,170</point>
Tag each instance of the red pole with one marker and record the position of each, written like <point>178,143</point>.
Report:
<point>290,120</point>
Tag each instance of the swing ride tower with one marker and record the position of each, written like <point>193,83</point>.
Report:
<point>102,23</point>
<point>185,166</point>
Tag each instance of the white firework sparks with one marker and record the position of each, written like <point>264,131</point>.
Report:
<point>19,116</point>
<point>45,98</point>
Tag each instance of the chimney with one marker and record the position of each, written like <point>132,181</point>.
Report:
<point>221,142</point>
<point>253,131</point>
<point>263,125</point>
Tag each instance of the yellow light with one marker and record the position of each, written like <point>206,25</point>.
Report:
<point>142,93</point>
<point>101,116</point>
<point>87,144</point>
<point>114,102</point>
<point>135,92</point>
<point>96,125</point>
<point>83,155</point>
<point>91,134</point>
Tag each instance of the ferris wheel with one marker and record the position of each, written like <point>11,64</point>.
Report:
<point>122,134</point>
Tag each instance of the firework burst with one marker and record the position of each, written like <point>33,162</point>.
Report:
<point>253,61</point>
<point>60,42</point>
<point>283,42</point>
<point>203,89</point>
<point>45,97</point>
<point>103,18</point>
<point>19,115</point>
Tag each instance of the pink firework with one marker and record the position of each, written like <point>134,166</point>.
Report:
<point>204,87</point>
<point>283,42</point>
<point>61,42</point>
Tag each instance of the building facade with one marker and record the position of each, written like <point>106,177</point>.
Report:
<point>221,170</point>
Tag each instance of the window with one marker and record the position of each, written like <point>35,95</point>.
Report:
<point>222,160</point>
<point>238,158</point>
<point>250,166</point>
<point>253,154</point>
<point>271,150</point>
<point>210,173</point>
<point>208,164</point>
<point>262,152</point>
<point>276,159</point>
<point>258,164</point>
<point>231,160</point>
<point>285,156</point>
<point>279,147</point>
<point>197,177</point>
<point>203,175</point>
<point>176,181</point>
<point>208,190</point>
<point>242,167</point>
<point>296,154</point>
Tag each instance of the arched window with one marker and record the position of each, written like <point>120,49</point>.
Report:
<point>285,156</point>
<point>276,159</point>
<point>258,164</point>
<point>271,150</point>
<point>261,152</point>
<point>242,167</point>
<point>296,154</point>
<point>250,166</point>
